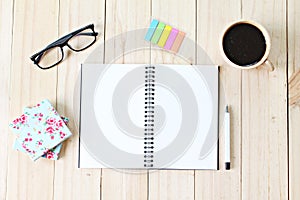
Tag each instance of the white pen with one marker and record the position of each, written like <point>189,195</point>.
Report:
<point>227,138</point>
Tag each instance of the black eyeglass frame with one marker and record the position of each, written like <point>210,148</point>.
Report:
<point>62,42</point>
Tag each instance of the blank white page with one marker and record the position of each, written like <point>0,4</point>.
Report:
<point>112,116</point>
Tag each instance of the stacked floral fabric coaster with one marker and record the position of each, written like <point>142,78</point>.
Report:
<point>40,131</point>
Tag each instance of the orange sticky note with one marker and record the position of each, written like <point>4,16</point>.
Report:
<point>178,41</point>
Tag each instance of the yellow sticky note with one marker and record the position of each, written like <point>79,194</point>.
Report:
<point>164,36</point>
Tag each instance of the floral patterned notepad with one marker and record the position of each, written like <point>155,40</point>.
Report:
<point>39,130</point>
<point>52,154</point>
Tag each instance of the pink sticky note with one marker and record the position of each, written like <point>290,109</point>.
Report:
<point>171,39</point>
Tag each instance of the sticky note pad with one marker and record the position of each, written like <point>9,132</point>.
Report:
<point>171,39</point>
<point>158,32</point>
<point>164,36</point>
<point>177,43</point>
<point>151,29</point>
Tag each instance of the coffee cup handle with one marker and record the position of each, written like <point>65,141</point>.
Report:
<point>268,65</point>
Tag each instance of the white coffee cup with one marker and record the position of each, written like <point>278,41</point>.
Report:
<point>226,38</point>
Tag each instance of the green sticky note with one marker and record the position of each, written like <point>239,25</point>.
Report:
<point>158,32</point>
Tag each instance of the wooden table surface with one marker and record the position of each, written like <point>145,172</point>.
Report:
<point>265,130</point>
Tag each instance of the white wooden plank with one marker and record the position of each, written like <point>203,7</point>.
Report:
<point>118,184</point>
<point>213,17</point>
<point>6,27</point>
<point>264,112</point>
<point>294,111</point>
<point>173,184</point>
<point>121,17</point>
<point>182,16</point>
<point>70,182</point>
<point>294,149</point>
<point>35,25</point>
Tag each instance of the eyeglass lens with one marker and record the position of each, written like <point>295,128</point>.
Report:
<point>50,57</point>
<point>82,40</point>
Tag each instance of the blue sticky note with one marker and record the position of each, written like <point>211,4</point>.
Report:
<point>151,29</point>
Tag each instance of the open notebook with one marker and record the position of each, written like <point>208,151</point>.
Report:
<point>149,116</point>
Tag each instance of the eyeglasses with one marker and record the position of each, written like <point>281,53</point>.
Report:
<point>77,41</point>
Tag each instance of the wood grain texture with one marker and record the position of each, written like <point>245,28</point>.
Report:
<point>122,17</point>
<point>170,16</point>
<point>124,31</point>
<point>258,98</point>
<point>123,184</point>
<point>173,184</point>
<point>6,30</point>
<point>264,110</point>
<point>70,182</point>
<point>294,111</point>
<point>211,23</point>
<point>294,88</point>
<point>294,149</point>
<point>29,85</point>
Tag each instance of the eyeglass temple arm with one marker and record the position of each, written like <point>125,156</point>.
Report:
<point>89,34</point>
<point>66,38</point>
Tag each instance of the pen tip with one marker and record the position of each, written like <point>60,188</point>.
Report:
<point>227,108</point>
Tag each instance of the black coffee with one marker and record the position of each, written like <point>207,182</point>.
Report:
<point>244,44</point>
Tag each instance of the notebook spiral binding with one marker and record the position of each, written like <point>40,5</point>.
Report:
<point>149,116</point>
